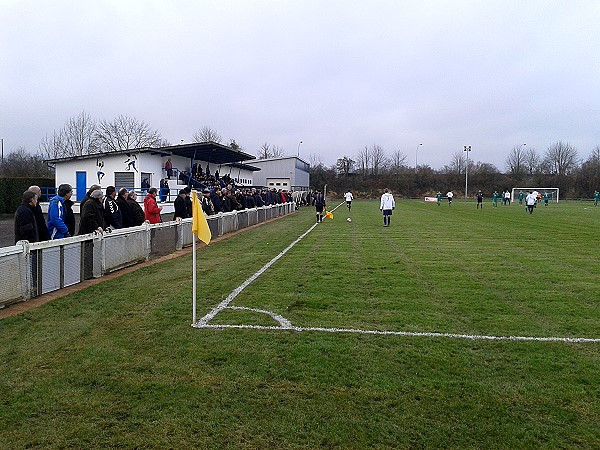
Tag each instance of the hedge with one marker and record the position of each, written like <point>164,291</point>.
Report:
<point>11,191</point>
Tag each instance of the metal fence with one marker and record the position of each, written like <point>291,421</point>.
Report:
<point>29,270</point>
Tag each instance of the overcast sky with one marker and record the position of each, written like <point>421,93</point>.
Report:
<point>336,75</point>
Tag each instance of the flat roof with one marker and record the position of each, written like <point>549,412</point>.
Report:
<point>210,152</point>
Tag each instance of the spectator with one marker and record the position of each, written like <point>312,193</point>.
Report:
<point>69,218</point>
<point>258,201</point>
<point>145,185</point>
<point>57,229</point>
<point>137,213</point>
<point>225,201</point>
<point>126,217</point>
<point>25,220</point>
<point>93,187</point>
<point>112,215</point>
<point>169,168</point>
<point>180,207</point>
<point>151,208</point>
<point>249,200</point>
<point>164,189</point>
<point>207,204</point>
<point>39,215</point>
<point>188,201</point>
<point>215,198</point>
<point>92,214</point>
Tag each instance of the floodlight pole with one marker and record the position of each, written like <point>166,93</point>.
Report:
<point>467,148</point>
<point>299,148</point>
<point>416,157</point>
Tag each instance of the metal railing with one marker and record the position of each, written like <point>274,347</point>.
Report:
<point>28,270</point>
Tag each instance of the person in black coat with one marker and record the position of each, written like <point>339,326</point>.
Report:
<point>39,216</point>
<point>137,213</point>
<point>215,198</point>
<point>92,214</point>
<point>181,211</point>
<point>25,223</point>
<point>126,217</point>
<point>112,215</point>
<point>69,218</point>
<point>93,187</point>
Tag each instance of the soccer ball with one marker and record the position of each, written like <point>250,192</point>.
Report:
<point>349,219</point>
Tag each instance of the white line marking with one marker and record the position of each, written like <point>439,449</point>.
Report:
<point>472,337</point>
<point>285,324</point>
<point>225,303</point>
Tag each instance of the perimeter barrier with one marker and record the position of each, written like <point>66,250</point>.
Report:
<point>28,270</point>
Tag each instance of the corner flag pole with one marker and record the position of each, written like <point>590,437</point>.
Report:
<point>193,279</point>
<point>200,229</point>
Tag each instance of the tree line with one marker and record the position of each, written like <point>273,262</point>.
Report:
<point>372,170</point>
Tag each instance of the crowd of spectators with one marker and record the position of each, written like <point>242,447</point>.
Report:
<point>102,212</point>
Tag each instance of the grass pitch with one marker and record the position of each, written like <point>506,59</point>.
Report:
<point>118,365</point>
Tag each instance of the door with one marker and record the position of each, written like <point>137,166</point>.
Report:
<point>80,185</point>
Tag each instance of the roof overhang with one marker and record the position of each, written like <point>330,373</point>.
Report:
<point>210,152</point>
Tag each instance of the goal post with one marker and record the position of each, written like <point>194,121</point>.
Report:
<point>552,191</point>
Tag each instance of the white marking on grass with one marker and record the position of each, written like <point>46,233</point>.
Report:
<point>225,303</point>
<point>472,337</point>
<point>285,324</point>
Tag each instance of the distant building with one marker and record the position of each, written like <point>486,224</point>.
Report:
<point>287,173</point>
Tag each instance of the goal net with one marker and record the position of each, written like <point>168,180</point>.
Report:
<point>551,191</point>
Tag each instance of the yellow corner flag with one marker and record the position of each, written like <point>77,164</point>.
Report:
<point>199,224</point>
<point>328,215</point>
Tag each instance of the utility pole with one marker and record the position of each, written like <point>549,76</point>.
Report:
<point>467,148</point>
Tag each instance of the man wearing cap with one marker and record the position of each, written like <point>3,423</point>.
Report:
<point>57,229</point>
<point>92,214</point>
<point>207,204</point>
<point>180,207</point>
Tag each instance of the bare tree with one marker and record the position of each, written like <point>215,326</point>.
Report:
<point>363,159</point>
<point>532,161</point>
<point>378,159</point>
<point>515,162</point>
<point>397,161</point>
<point>278,152</point>
<point>53,147</point>
<point>315,160</point>
<point>207,134</point>
<point>78,137</point>
<point>125,133</point>
<point>344,166</point>
<point>560,159</point>
<point>81,135</point>
<point>265,151</point>
<point>457,163</point>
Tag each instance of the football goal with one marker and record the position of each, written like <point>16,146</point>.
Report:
<point>551,191</point>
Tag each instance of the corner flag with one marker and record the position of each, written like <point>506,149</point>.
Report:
<point>328,215</point>
<point>199,224</point>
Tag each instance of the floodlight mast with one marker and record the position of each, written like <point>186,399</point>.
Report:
<point>467,148</point>
<point>416,157</point>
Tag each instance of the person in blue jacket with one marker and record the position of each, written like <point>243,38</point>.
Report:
<point>56,212</point>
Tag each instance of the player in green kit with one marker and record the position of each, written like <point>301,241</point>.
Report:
<point>596,197</point>
<point>521,197</point>
<point>546,198</point>
<point>439,197</point>
<point>495,199</point>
